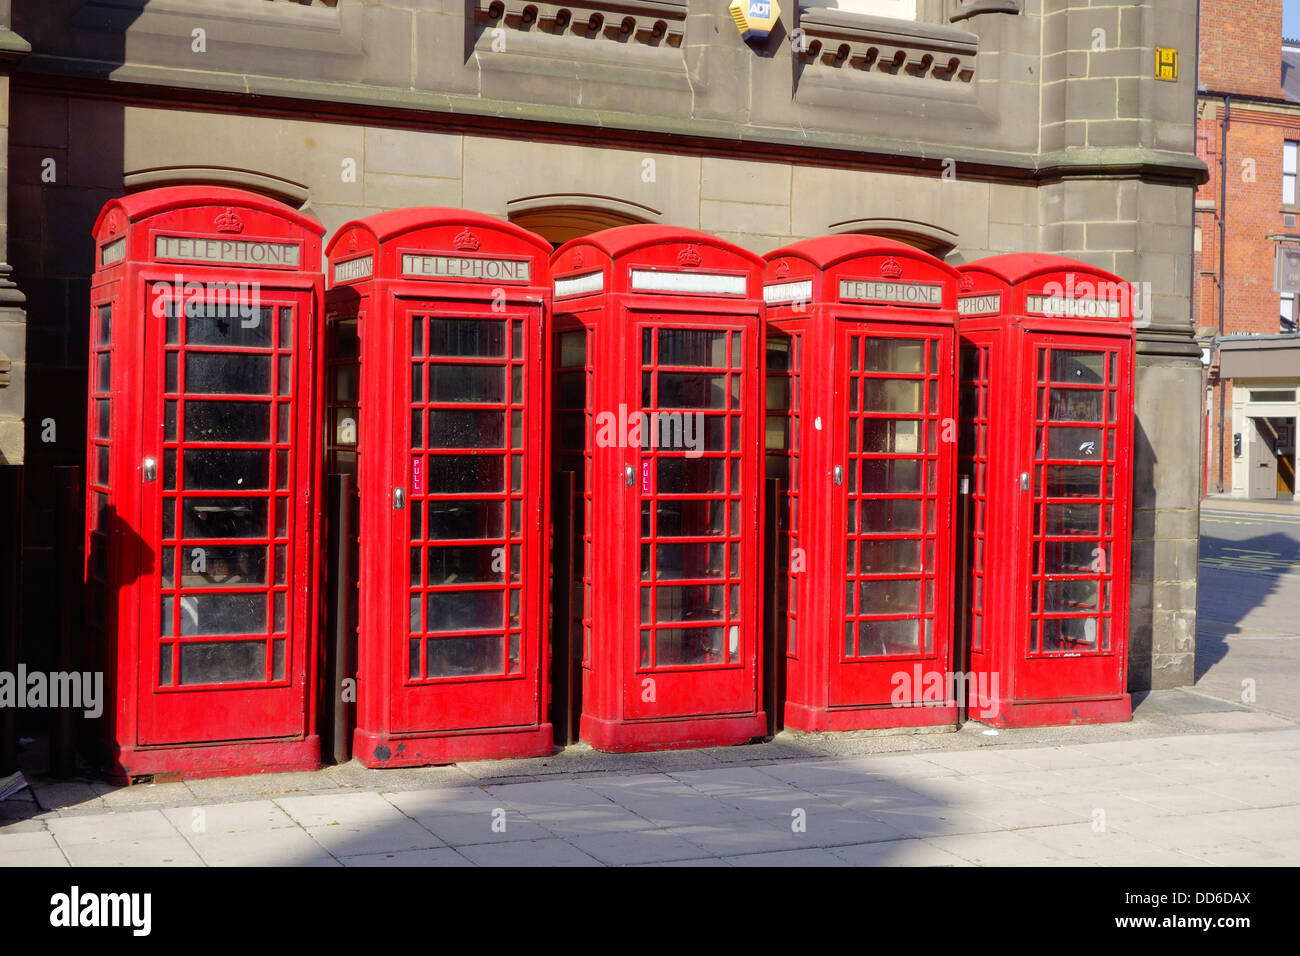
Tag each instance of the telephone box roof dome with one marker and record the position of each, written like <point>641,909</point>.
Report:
<point>620,240</point>
<point>387,225</point>
<point>150,202</point>
<point>1017,267</point>
<point>825,251</point>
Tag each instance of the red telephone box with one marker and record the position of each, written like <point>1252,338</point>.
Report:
<point>450,445</point>
<point>860,429</point>
<point>658,343</point>
<point>202,479</point>
<point>1047,349</point>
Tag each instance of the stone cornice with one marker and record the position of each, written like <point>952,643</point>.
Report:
<point>838,38</point>
<point>463,113</point>
<point>643,21</point>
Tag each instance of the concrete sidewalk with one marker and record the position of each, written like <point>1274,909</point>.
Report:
<point>1222,503</point>
<point>1199,798</point>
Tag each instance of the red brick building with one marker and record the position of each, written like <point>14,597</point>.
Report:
<point>1248,221</point>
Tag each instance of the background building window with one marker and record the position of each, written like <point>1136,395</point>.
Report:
<point>1287,321</point>
<point>1289,171</point>
<point>896,9</point>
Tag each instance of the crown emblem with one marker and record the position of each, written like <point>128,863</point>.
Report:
<point>966,282</point>
<point>352,242</point>
<point>782,269</point>
<point>113,224</point>
<point>890,268</point>
<point>578,258</point>
<point>229,222</point>
<point>690,256</point>
<point>466,241</point>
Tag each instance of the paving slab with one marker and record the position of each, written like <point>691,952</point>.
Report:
<point>549,852</point>
<point>155,851</point>
<point>422,858</point>
<point>470,829</point>
<point>288,846</point>
<point>897,853</point>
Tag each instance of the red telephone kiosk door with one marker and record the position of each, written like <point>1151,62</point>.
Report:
<point>451,450</point>
<point>1047,422</point>
<point>203,477</point>
<point>860,429</point>
<point>660,337</point>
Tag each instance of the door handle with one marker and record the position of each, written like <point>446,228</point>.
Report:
<point>1024,481</point>
<point>399,499</point>
<point>839,475</point>
<point>150,468</point>
<point>629,475</point>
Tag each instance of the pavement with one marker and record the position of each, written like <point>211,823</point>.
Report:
<point>1202,776</point>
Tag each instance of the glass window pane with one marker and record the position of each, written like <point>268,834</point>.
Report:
<point>223,566</point>
<point>689,603</point>
<point>890,436</point>
<point>890,597</point>
<point>464,656</point>
<point>691,475</point>
<point>677,646</point>
<point>467,337</point>
<point>888,637</point>
<point>482,384</point>
<point>465,520</point>
<point>1078,367</point>
<point>464,610</point>
<point>465,474</point>
<point>572,349</point>
<point>1073,519</point>
<point>226,469</point>
<point>891,395</point>
<point>466,564</point>
<point>226,374</point>
<point>223,662</point>
<point>232,324</point>
<point>1074,443</point>
<point>890,476</point>
<point>693,348</point>
<point>890,557</point>
<point>1074,405</point>
<point>467,428</point>
<point>688,390</point>
<point>224,518</point>
<point>1078,481</point>
<point>689,519</point>
<point>223,614</point>
<point>893,355</point>
<point>227,421</point>
<point>890,516</point>
<point>1071,596</point>
<point>696,559</point>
